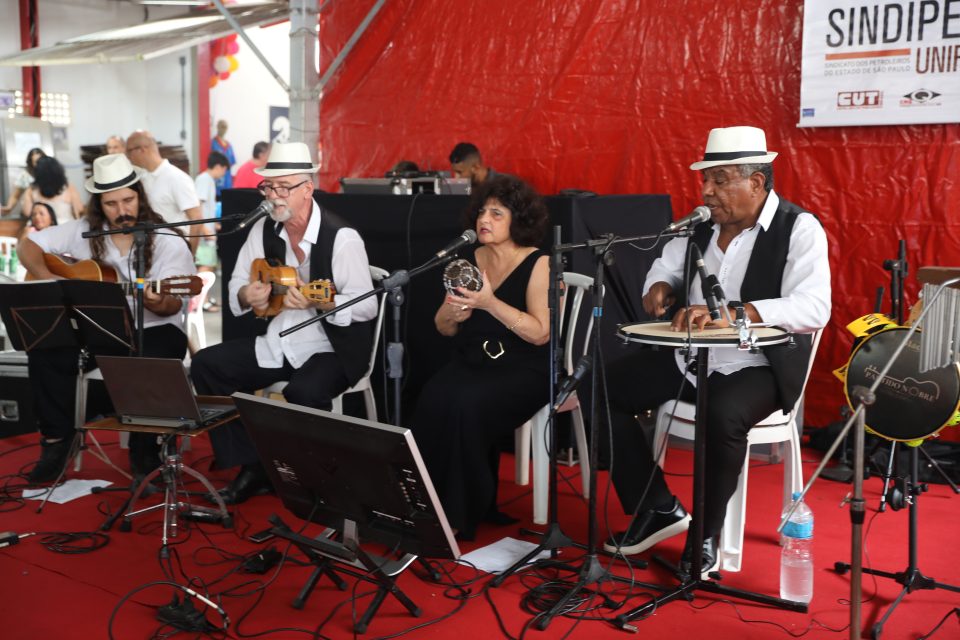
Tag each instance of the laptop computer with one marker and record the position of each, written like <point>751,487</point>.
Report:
<point>155,392</point>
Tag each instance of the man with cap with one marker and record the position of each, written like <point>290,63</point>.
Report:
<point>318,362</point>
<point>118,201</point>
<point>770,257</point>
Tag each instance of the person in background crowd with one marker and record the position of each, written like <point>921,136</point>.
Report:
<point>23,183</point>
<point>115,144</point>
<point>170,191</point>
<point>319,362</point>
<point>50,185</point>
<point>217,167</point>
<point>42,216</point>
<point>220,145</point>
<point>403,167</point>
<point>465,162</point>
<point>247,177</point>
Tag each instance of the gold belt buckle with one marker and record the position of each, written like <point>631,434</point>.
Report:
<point>490,355</point>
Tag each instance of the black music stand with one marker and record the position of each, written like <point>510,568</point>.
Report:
<point>361,478</point>
<point>694,581</point>
<point>92,317</point>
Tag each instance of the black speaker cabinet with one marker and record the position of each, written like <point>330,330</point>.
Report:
<point>16,399</point>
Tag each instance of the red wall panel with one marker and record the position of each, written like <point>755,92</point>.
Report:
<point>618,97</point>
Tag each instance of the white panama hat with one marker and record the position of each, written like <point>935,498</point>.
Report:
<point>110,173</point>
<point>287,158</point>
<point>735,145</point>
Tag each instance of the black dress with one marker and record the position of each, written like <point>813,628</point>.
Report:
<point>495,382</point>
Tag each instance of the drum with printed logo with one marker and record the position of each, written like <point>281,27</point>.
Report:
<point>909,405</point>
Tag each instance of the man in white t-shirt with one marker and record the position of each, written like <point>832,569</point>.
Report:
<point>170,191</point>
<point>117,201</point>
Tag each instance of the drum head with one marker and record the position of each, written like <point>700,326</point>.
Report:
<point>910,405</point>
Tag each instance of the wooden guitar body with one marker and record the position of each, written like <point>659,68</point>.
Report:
<point>280,278</point>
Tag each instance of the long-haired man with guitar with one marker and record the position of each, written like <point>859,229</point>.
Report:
<point>320,361</point>
<point>118,200</point>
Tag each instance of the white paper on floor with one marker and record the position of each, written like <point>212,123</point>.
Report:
<point>501,555</point>
<point>69,490</point>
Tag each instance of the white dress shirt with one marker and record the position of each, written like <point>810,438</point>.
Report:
<point>171,257</point>
<point>170,192</point>
<point>804,305</point>
<point>351,277</point>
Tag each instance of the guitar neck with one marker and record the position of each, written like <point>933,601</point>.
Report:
<point>130,288</point>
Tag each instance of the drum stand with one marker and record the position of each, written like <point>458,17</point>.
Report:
<point>694,581</point>
<point>911,578</point>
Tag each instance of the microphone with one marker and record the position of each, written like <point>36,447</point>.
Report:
<point>467,237</point>
<point>700,214</point>
<point>705,283</point>
<point>570,383</point>
<point>265,208</point>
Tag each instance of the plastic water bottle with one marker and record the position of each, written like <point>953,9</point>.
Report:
<point>796,556</point>
<point>13,263</point>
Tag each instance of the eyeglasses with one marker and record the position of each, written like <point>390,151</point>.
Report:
<point>280,190</point>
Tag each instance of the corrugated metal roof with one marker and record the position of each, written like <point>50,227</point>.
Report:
<point>149,39</point>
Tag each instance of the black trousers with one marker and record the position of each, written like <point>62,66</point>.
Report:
<point>232,366</point>
<point>54,375</point>
<point>735,403</point>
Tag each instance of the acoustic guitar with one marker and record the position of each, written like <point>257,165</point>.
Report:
<point>73,269</point>
<point>280,278</point>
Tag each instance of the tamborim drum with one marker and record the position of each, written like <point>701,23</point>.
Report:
<point>660,333</point>
<point>910,405</point>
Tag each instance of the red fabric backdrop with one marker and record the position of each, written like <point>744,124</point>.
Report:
<point>617,96</point>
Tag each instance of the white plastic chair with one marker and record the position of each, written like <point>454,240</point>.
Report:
<point>363,384</point>
<point>534,430</point>
<point>194,321</point>
<point>776,428</point>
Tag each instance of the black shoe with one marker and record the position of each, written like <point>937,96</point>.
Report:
<point>709,561</point>
<point>498,518</point>
<point>649,528</point>
<point>53,460</point>
<point>251,481</point>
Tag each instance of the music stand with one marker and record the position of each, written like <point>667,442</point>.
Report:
<point>361,478</point>
<point>702,341</point>
<point>92,317</point>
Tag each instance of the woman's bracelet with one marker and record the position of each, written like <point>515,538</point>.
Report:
<point>515,322</point>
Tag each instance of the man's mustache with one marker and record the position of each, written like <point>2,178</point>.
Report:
<point>124,218</point>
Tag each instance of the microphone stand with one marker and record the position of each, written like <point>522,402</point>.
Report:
<point>392,287</point>
<point>590,571</point>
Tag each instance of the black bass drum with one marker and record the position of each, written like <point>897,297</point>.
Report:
<point>910,405</point>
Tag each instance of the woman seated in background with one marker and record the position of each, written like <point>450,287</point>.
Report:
<point>499,375</point>
<point>50,185</point>
<point>23,182</point>
<point>42,216</point>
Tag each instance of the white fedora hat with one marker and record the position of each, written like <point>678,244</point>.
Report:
<point>287,158</point>
<point>112,172</point>
<point>735,145</point>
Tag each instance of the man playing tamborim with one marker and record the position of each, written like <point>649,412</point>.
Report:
<point>771,255</point>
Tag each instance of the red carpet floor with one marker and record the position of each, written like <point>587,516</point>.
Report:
<point>45,594</point>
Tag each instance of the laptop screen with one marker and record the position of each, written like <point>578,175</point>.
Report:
<point>150,387</point>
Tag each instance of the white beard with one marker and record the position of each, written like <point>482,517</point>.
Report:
<point>282,215</point>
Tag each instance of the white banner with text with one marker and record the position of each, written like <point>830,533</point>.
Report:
<point>871,63</point>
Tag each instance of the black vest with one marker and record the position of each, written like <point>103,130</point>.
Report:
<point>351,343</point>
<point>762,281</point>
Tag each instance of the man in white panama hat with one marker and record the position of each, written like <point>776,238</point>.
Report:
<point>118,201</point>
<point>318,362</point>
<point>770,257</point>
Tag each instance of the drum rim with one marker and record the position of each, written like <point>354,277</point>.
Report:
<point>680,342</point>
<point>846,390</point>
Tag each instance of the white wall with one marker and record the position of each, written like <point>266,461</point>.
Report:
<point>105,99</point>
<point>244,99</point>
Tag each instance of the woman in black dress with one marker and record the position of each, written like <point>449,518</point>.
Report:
<point>499,376</point>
